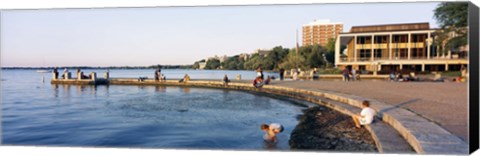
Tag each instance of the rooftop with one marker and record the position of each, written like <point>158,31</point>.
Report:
<point>321,22</point>
<point>391,27</point>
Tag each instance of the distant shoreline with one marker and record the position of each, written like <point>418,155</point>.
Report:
<point>114,67</point>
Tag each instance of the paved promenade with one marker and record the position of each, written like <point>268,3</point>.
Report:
<point>443,103</point>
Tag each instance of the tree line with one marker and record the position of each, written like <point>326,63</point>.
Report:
<point>307,57</point>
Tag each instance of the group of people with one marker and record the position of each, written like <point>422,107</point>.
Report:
<point>260,81</point>
<point>350,75</point>
<point>65,71</point>
<point>365,117</point>
<point>397,76</point>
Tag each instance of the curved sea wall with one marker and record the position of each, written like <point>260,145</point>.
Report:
<point>397,130</point>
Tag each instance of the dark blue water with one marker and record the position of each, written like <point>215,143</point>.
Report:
<point>36,113</point>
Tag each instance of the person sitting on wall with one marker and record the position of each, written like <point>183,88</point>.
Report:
<point>267,81</point>
<point>400,77</point>
<point>260,72</point>
<point>186,78</point>
<point>258,82</point>
<point>85,76</point>
<point>141,79</point>
<point>315,74</point>
<point>392,76</point>
<point>366,116</point>
<point>162,77</point>
<point>271,131</point>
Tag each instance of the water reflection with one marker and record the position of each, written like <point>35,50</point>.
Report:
<point>185,89</point>
<point>160,89</point>
<point>66,89</point>
<point>55,90</point>
<point>269,145</point>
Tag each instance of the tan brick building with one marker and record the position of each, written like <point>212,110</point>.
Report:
<point>319,31</point>
<point>394,47</point>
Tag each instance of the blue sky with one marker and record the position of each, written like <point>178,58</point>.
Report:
<point>174,35</point>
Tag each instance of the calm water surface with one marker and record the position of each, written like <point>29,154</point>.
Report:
<point>37,113</point>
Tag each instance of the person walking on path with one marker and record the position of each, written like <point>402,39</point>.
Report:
<point>353,72</point>
<point>366,116</point>
<point>225,80</point>
<point>346,74</point>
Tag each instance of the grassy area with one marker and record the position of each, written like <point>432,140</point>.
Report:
<point>451,73</point>
<point>330,71</point>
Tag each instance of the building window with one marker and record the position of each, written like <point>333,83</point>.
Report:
<point>365,54</point>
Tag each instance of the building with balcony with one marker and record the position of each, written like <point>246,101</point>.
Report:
<point>394,47</point>
<point>319,31</point>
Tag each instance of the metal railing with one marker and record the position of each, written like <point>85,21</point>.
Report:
<point>366,59</point>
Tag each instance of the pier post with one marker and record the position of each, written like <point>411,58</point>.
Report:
<point>93,76</point>
<point>79,75</point>
<point>55,76</point>
<point>239,77</point>
<point>68,75</point>
<point>106,75</point>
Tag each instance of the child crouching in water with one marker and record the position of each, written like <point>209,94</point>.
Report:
<point>271,131</point>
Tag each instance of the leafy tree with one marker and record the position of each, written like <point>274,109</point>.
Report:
<point>212,64</point>
<point>274,58</point>
<point>330,55</point>
<point>453,18</point>
<point>196,65</point>
<point>252,63</point>
<point>233,63</point>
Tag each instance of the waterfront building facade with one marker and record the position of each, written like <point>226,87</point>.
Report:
<point>320,31</point>
<point>395,47</point>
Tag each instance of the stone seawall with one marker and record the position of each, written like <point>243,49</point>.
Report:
<point>424,136</point>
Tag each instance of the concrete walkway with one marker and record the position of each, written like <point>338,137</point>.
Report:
<point>446,104</point>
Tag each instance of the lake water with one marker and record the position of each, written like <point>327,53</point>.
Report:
<point>38,113</point>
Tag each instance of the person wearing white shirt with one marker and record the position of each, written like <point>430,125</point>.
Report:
<point>366,116</point>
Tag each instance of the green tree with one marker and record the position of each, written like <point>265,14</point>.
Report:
<point>330,47</point>
<point>274,58</point>
<point>252,63</point>
<point>212,64</point>
<point>453,18</point>
<point>233,63</point>
<point>196,65</point>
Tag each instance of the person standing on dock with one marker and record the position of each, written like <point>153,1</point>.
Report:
<point>55,72</point>
<point>157,74</point>
<point>225,80</point>
<point>65,71</point>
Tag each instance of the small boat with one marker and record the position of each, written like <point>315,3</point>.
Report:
<point>43,71</point>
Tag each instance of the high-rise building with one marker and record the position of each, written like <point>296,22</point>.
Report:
<point>319,31</point>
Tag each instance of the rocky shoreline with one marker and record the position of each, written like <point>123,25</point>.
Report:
<point>323,129</point>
